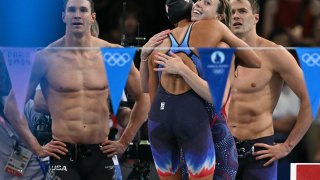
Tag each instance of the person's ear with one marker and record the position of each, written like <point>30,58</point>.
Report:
<point>93,17</point>
<point>63,17</point>
<point>257,18</point>
<point>220,17</point>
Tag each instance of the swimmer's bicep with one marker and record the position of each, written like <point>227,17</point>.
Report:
<point>153,76</point>
<point>287,67</point>
<point>247,57</point>
<point>37,74</point>
<point>282,61</point>
<point>133,85</point>
<point>229,38</point>
<point>144,76</point>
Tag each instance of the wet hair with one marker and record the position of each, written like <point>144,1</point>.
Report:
<point>255,6</point>
<point>65,2</point>
<point>224,9</point>
<point>179,10</point>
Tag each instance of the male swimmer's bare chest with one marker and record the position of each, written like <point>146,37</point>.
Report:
<point>75,72</point>
<point>250,80</point>
<point>253,93</point>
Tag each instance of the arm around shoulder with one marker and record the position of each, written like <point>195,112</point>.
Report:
<point>247,56</point>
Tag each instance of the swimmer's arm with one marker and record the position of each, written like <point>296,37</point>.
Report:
<point>288,68</point>
<point>123,116</point>
<point>20,123</point>
<point>173,64</point>
<point>40,104</point>
<point>140,109</point>
<point>248,56</point>
<point>199,85</point>
<point>144,75</point>
<point>284,124</point>
<point>147,49</point>
<point>153,81</point>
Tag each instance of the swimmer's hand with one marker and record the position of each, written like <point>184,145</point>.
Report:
<point>54,148</point>
<point>153,42</point>
<point>172,64</point>
<point>274,152</point>
<point>112,148</point>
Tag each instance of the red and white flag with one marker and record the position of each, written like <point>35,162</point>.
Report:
<point>305,171</point>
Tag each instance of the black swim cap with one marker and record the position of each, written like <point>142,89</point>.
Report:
<point>179,10</point>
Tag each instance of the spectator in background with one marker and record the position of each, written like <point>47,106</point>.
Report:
<point>316,30</point>
<point>281,37</point>
<point>131,28</point>
<point>314,40</point>
<point>294,16</point>
<point>123,28</point>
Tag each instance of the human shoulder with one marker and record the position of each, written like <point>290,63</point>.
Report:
<point>102,43</point>
<point>54,47</point>
<point>45,54</point>
<point>209,22</point>
<point>266,43</point>
<point>278,55</point>
<point>207,32</point>
<point>209,25</point>
<point>271,49</point>
<point>58,43</point>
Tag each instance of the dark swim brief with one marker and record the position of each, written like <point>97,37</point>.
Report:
<point>249,167</point>
<point>83,161</point>
<point>181,122</point>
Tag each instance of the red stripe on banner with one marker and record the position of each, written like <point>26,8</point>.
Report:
<point>307,172</point>
<point>114,120</point>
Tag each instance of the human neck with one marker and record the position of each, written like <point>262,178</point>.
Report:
<point>183,22</point>
<point>250,38</point>
<point>77,40</point>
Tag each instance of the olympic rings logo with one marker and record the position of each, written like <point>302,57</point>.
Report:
<point>311,59</point>
<point>116,59</point>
